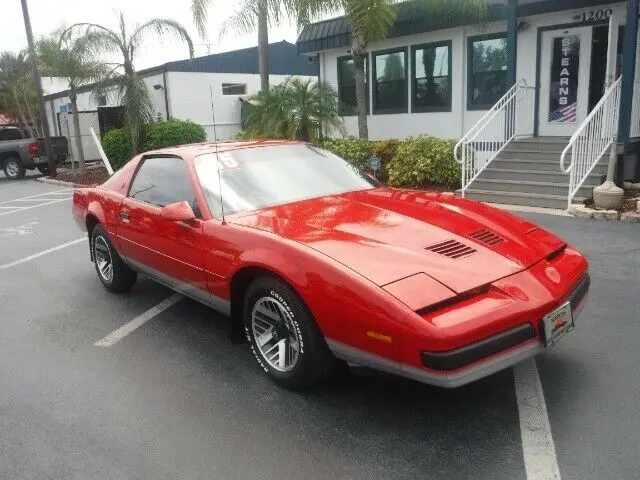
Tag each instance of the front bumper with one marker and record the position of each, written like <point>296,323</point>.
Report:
<point>469,363</point>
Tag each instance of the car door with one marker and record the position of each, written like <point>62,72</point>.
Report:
<point>170,251</point>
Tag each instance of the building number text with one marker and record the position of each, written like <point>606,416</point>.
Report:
<point>593,15</point>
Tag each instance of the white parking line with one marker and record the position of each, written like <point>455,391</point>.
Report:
<point>537,442</point>
<point>117,335</point>
<point>66,191</point>
<point>20,209</point>
<point>40,254</point>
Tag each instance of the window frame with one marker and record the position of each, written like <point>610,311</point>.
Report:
<point>414,48</point>
<point>367,85</point>
<point>470,41</point>
<point>197,208</point>
<point>231,85</point>
<point>374,80</point>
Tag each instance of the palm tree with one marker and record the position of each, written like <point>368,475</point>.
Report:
<point>67,59</point>
<point>251,15</point>
<point>371,20</point>
<point>14,71</point>
<point>98,40</point>
<point>295,109</point>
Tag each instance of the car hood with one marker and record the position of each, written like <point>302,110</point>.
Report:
<point>388,234</point>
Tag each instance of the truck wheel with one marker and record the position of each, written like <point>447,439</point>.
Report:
<point>43,168</point>
<point>283,336</point>
<point>112,271</point>
<point>14,169</point>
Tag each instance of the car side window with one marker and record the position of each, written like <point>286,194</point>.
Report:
<point>10,134</point>
<point>161,181</point>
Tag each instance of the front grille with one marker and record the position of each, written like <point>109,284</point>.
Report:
<point>452,249</point>
<point>485,236</point>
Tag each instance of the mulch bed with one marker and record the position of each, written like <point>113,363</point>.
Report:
<point>91,176</point>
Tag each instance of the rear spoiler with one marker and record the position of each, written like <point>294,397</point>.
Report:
<point>106,161</point>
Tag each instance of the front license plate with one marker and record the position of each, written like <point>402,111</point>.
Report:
<point>557,324</point>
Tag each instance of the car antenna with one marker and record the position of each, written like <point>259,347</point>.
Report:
<point>215,139</point>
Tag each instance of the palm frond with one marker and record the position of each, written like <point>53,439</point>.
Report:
<point>199,11</point>
<point>161,27</point>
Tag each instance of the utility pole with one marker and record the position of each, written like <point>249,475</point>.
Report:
<point>36,79</point>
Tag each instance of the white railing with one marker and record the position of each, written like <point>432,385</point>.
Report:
<point>635,111</point>
<point>511,117</point>
<point>592,139</point>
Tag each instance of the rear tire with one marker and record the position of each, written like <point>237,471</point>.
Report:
<point>114,274</point>
<point>283,336</point>
<point>13,168</point>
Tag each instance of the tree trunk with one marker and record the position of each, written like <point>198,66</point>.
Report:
<point>359,53</point>
<point>73,96</point>
<point>23,119</point>
<point>263,45</point>
<point>32,119</point>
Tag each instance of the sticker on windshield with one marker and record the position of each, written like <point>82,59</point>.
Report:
<point>227,162</point>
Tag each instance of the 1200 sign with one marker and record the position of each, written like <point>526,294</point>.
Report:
<point>593,15</point>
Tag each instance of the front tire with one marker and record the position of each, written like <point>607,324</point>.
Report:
<point>283,336</point>
<point>14,169</point>
<point>112,271</point>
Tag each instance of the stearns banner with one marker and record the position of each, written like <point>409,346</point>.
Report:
<point>565,65</point>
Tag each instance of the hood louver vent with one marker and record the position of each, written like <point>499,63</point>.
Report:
<point>451,249</point>
<point>485,236</point>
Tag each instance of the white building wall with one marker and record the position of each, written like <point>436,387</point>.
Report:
<point>190,99</point>
<point>455,123</point>
<point>88,101</point>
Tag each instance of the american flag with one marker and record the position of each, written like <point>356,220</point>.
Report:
<point>567,114</point>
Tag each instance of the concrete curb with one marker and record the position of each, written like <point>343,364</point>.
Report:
<point>61,183</point>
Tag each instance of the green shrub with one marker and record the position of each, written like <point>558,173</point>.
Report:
<point>423,161</point>
<point>170,133</point>
<point>355,150</point>
<point>116,144</point>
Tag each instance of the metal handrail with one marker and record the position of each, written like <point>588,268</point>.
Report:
<point>494,131</point>
<point>592,139</point>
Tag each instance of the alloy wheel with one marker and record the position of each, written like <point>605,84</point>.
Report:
<point>275,334</point>
<point>103,258</point>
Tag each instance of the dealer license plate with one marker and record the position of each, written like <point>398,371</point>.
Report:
<point>557,324</point>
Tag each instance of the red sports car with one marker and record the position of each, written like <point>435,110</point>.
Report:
<point>316,262</point>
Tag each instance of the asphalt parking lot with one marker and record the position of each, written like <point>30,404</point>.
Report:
<point>175,400</point>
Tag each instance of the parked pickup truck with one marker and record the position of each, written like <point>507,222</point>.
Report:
<point>19,153</point>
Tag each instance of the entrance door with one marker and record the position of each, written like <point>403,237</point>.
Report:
<point>564,80</point>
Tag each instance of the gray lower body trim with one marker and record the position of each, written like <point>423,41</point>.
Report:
<point>488,367</point>
<point>220,304</point>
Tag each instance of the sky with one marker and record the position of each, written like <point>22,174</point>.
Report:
<point>48,15</point>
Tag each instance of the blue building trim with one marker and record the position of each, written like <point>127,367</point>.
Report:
<point>512,41</point>
<point>628,70</point>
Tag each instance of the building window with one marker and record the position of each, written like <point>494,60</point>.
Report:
<point>487,71</point>
<point>431,66</point>
<point>234,89</point>
<point>347,85</point>
<point>101,100</point>
<point>390,74</point>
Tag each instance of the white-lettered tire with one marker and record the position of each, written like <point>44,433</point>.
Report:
<point>112,271</point>
<point>283,336</point>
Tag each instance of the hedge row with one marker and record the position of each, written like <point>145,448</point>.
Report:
<point>117,142</point>
<point>415,162</point>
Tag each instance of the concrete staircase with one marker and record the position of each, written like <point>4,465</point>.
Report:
<point>527,172</point>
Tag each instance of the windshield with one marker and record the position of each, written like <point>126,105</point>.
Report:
<point>259,177</point>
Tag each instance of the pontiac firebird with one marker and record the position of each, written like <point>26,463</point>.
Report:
<point>318,264</point>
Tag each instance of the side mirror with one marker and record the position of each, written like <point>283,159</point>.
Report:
<point>179,212</point>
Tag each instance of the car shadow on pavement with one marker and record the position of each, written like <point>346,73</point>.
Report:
<point>363,424</point>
